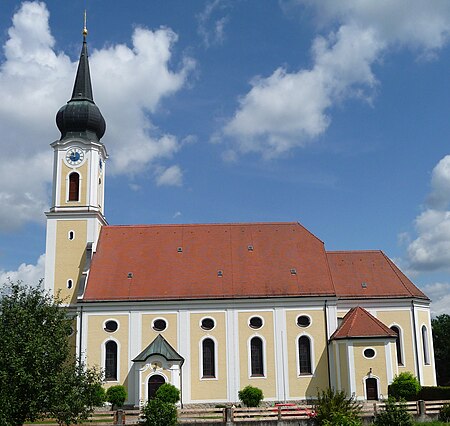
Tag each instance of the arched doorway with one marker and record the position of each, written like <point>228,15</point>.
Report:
<point>154,382</point>
<point>372,389</point>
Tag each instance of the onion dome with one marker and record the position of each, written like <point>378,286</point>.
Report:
<point>80,117</point>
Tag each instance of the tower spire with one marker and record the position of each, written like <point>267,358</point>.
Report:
<point>82,88</point>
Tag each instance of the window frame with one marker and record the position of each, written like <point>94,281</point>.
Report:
<point>214,364</point>
<point>262,362</point>
<point>115,377</point>
<point>70,191</point>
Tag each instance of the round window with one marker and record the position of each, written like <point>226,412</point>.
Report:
<point>369,353</point>
<point>255,322</point>
<point>159,325</point>
<point>207,323</point>
<point>111,326</point>
<point>303,321</point>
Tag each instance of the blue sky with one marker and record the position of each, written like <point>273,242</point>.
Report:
<point>332,114</point>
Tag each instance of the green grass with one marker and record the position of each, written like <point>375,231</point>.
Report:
<point>435,423</point>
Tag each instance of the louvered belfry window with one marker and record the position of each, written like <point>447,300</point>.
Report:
<point>74,187</point>
<point>256,354</point>
<point>209,368</point>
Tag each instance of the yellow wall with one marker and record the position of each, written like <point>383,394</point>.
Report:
<point>207,389</point>
<point>97,337</point>
<point>363,365</point>
<point>343,367</point>
<point>267,383</point>
<point>70,257</point>
<point>65,171</point>
<point>306,385</point>
<point>170,333</point>
<point>427,370</point>
<point>403,319</point>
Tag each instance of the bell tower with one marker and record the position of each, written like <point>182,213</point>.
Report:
<point>77,210</point>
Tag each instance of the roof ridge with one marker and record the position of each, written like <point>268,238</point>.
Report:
<point>353,251</point>
<point>143,225</point>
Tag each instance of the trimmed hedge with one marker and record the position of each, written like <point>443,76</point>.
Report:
<point>434,393</point>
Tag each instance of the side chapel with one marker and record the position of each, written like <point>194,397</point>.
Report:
<point>212,308</point>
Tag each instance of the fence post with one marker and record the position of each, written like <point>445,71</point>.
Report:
<point>374,408</point>
<point>421,407</point>
<point>229,415</point>
<point>119,417</point>
<point>279,413</point>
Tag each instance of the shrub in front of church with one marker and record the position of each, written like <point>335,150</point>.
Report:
<point>159,413</point>
<point>251,396</point>
<point>116,395</point>
<point>404,386</point>
<point>168,393</point>
<point>444,413</point>
<point>334,406</point>
<point>395,413</point>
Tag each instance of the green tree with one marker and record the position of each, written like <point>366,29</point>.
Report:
<point>168,393</point>
<point>251,396</point>
<point>159,413</point>
<point>441,343</point>
<point>334,407</point>
<point>75,394</point>
<point>395,413</point>
<point>116,395</point>
<point>35,358</point>
<point>404,386</point>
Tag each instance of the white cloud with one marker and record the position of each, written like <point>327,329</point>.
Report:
<point>439,293</point>
<point>287,110</point>
<point>35,82</point>
<point>430,250</point>
<point>211,25</point>
<point>172,176</point>
<point>27,274</point>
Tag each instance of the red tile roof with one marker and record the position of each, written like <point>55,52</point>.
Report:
<point>360,323</point>
<point>361,274</point>
<point>167,262</point>
<point>159,271</point>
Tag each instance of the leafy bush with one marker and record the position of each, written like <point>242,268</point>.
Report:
<point>339,419</point>
<point>251,396</point>
<point>444,414</point>
<point>159,413</point>
<point>168,393</point>
<point>394,414</point>
<point>404,386</point>
<point>116,395</point>
<point>334,406</point>
<point>434,393</point>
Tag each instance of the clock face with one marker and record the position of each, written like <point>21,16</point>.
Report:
<point>74,156</point>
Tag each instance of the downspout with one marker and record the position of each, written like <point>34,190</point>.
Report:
<point>80,335</point>
<point>415,342</point>
<point>327,344</point>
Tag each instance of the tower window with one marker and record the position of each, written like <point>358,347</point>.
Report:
<point>74,187</point>
<point>69,283</point>
<point>426,352</point>
<point>71,235</point>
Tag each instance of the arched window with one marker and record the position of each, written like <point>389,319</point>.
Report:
<point>426,352</point>
<point>209,358</point>
<point>111,360</point>
<point>304,355</point>
<point>74,187</point>
<point>398,344</point>
<point>256,356</point>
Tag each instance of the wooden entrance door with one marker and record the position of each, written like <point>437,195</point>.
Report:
<point>154,383</point>
<point>372,389</point>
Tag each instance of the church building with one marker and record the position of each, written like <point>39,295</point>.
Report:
<point>211,308</point>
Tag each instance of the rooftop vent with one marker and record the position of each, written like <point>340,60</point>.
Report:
<point>130,274</point>
<point>250,247</point>
<point>220,273</point>
<point>364,285</point>
<point>180,249</point>
<point>293,271</point>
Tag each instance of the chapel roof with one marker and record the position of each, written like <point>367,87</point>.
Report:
<point>358,323</point>
<point>159,346</point>
<point>230,261</point>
